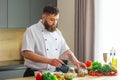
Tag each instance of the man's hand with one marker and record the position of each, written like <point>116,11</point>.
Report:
<point>80,65</point>
<point>56,62</point>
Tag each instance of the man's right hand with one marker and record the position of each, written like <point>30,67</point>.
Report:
<point>56,62</point>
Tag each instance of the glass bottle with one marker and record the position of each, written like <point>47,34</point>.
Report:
<point>114,60</point>
<point>110,58</point>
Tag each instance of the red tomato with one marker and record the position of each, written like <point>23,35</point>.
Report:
<point>98,74</point>
<point>88,63</point>
<point>39,76</point>
<point>113,73</point>
<point>66,76</point>
<point>91,73</point>
<point>58,76</point>
<point>108,74</point>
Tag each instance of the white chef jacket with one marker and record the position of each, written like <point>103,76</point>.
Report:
<point>50,44</point>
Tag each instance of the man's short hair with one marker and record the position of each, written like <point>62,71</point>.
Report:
<point>50,10</point>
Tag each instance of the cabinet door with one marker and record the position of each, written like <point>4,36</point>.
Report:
<point>37,7</point>
<point>3,13</point>
<point>22,13</point>
<point>11,74</point>
<point>18,13</point>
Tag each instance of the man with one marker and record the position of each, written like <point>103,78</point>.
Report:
<point>43,43</point>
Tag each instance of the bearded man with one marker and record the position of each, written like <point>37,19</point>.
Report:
<point>43,43</point>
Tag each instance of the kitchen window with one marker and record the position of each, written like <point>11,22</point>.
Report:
<point>107,32</point>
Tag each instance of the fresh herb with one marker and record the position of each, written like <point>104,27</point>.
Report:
<point>97,66</point>
<point>107,68</point>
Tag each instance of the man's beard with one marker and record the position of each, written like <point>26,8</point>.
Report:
<point>50,28</point>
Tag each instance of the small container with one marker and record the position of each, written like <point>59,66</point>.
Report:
<point>71,70</point>
<point>81,72</point>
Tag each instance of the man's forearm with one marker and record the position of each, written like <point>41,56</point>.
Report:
<point>35,57</point>
<point>70,56</point>
<point>42,59</point>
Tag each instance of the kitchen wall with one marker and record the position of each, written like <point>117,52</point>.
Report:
<point>66,21</point>
<point>10,43</point>
<point>66,25</point>
<point>14,15</point>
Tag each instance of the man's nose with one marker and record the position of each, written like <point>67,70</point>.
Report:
<point>55,22</point>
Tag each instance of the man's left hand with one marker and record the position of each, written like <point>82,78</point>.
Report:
<point>80,65</point>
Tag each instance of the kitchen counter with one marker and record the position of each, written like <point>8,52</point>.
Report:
<point>10,63</point>
<point>6,65</point>
<point>11,69</point>
<point>80,78</point>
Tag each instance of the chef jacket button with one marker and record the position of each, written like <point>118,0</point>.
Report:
<point>42,30</point>
<point>55,38</point>
<point>45,39</point>
<point>55,49</point>
<point>47,49</point>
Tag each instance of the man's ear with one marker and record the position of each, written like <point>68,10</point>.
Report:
<point>43,16</point>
